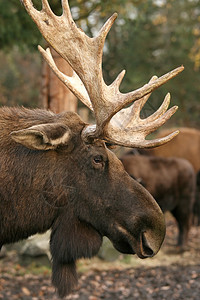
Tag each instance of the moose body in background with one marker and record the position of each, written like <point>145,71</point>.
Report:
<point>56,171</point>
<point>171,181</point>
<point>185,145</point>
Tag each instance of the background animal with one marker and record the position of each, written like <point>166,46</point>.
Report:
<point>171,181</point>
<point>196,219</point>
<point>185,145</point>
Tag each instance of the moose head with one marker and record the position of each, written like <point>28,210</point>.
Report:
<point>62,175</point>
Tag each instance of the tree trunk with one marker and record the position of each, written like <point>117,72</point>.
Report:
<point>55,95</point>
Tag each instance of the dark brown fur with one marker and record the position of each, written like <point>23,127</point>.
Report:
<point>185,145</point>
<point>80,191</point>
<point>196,219</point>
<point>171,181</point>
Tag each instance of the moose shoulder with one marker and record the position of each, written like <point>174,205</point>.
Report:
<point>51,178</point>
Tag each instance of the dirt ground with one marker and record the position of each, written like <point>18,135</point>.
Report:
<point>169,275</point>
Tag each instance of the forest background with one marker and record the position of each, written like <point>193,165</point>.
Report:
<point>148,38</point>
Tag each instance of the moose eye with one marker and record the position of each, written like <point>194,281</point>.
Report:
<point>98,161</point>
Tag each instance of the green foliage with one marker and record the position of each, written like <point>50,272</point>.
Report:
<point>16,27</point>
<point>149,37</point>
<point>20,79</point>
<point>154,39</point>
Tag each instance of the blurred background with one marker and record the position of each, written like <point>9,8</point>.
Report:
<point>148,38</point>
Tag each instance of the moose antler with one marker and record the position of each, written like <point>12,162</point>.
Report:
<point>84,54</point>
<point>126,127</point>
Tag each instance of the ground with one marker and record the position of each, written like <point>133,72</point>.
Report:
<point>169,275</point>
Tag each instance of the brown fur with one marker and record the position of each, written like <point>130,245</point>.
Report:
<point>80,191</point>
<point>185,145</point>
<point>171,181</point>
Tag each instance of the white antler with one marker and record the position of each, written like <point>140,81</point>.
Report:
<point>127,128</point>
<point>84,54</point>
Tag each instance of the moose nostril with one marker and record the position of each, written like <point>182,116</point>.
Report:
<point>147,251</point>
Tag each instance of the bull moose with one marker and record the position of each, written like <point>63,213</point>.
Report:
<point>171,181</point>
<point>56,171</point>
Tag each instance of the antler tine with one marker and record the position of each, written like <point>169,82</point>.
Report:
<point>105,29</point>
<point>135,136</point>
<point>83,53</point>
<point>134,113</point>
<point>45,5</point>
<point>126,128</point>
<point>161,110</point>
<point>72,82</point>
<point>66,9</point>
<point>125,116</point>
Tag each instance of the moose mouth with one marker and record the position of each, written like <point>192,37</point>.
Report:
<point>128,244</point>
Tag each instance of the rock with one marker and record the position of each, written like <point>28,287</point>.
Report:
<point>3,252</point>
<point>36,245</point>
<point>107,252</point>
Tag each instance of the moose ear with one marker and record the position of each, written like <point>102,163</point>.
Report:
<point>43,137</point>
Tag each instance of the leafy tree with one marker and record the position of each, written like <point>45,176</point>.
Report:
<point>19,33</point>
<point>155,37</point>
<point>149,37</point>
<point>16,27</point>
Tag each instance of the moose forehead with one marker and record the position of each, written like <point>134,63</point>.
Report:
<point>16,118</point>
<point>54,125</point>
